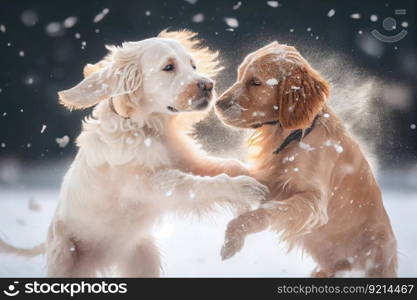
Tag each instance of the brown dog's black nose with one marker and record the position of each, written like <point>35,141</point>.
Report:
<point>205,85</point>
<point>224,104</point>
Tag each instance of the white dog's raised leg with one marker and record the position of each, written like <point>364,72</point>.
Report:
<point>187,192</point>
<point>65,257</point>
<point>142,261</point>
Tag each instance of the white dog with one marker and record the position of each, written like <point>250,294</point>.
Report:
<point>134,164</point>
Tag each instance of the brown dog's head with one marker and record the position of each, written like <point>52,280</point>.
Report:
<point>274,84</point>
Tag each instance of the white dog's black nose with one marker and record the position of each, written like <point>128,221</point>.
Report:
<point>206,85</point>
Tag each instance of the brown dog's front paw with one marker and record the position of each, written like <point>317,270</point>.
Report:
<point>234,239</point>
<point>231,247</point>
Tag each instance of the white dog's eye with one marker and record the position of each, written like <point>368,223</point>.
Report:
<point>168,68</point>
<point>194,67</point>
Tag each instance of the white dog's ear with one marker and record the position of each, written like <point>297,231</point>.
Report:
<point>97,86</point>
<point>91,68</point>
<point>118,77</point>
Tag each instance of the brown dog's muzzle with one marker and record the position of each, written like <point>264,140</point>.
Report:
<point>224,104</point>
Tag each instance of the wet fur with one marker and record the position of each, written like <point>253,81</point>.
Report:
<point>323,197</point>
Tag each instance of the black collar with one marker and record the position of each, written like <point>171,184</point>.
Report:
<point>258,125</point>
<point>295,135</point>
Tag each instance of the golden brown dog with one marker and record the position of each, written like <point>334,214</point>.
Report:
<point>324,197</point>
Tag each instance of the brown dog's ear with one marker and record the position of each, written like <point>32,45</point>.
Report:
<point>301,96</point>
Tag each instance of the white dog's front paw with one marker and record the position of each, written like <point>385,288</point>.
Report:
<point>248,190</point>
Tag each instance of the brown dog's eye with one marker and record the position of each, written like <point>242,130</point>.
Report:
<point>255,82</point>
<point>168,68</point>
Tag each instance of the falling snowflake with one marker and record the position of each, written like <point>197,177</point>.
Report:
<point>21,53</point>
<point>62,142</point>
<point>34,205</point>
<point>273,4</point>
<point>272,81</point>
<point>129,140</point>
<point>355,16</point>
<point>54,29</point>
<point>29,18</point>
<point>232,22</point>
<point>331,13</point>
<point>328,143</point>
<point>148,142</point>
<point>192,195</point>
<point>305,146</point>
<point>70,22</point>
<point>3,28</point>
<point>373,18</point>
<point>101,15</point>
<point>237,5</point>
<point>43,128</point>
<point>29,80</point>
<point>339,149</point>
<point>147,13</point>
<point>413,126</point>
<point>198,18</point>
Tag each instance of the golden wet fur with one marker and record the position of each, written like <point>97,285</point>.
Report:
<point>323,195</point>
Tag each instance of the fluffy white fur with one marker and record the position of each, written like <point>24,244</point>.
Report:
<point>134,162</point>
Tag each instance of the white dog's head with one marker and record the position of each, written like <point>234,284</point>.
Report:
<point>166,74</point>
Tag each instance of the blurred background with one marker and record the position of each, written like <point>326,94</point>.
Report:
<point>44,46</point>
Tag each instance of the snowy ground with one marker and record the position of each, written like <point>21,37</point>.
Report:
<point>191,247</point>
